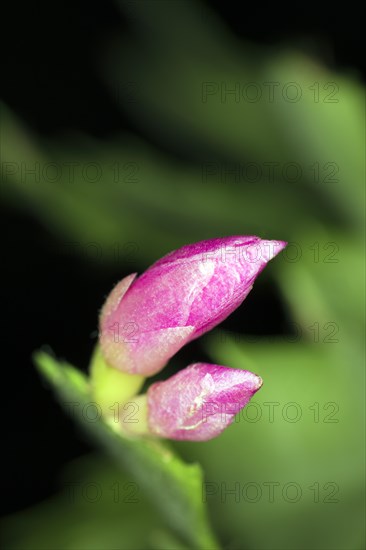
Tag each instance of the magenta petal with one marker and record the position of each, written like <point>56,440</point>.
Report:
<point>199,402</point>
<point>114,298</point>
<point>194,287</point>
<point>144,353</point>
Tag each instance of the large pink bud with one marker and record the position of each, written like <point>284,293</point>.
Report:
<point>145,321</point>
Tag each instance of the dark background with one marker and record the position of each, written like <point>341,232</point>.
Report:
<point>51,294</point>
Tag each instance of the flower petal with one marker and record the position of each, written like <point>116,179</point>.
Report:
<point>199,402</point>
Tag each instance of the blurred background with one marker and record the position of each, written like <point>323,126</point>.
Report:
<point>131,128</point>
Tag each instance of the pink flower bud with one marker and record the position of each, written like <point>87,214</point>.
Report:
<point>199,402</point>
<point>144,322</point>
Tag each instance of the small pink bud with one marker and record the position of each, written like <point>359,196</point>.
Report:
<point>145,321</point>
<point>199,402</point>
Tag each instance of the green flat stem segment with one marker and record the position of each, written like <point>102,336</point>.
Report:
<point>174,487</point>
<point>110,386</point>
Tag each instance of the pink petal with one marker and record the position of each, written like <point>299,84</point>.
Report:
<point>199,402</point>
<point>195,287</point>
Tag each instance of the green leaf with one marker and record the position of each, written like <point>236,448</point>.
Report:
<point>174,487</point>
<point>316,287</point>
<point>107,214</point>
<point>302,435</point>
<point>321,130</point>
<point>97,506</point>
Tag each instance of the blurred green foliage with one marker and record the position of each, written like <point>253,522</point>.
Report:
<point>174,487</point>
<point>97,507</point>
<point>146,197</point>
